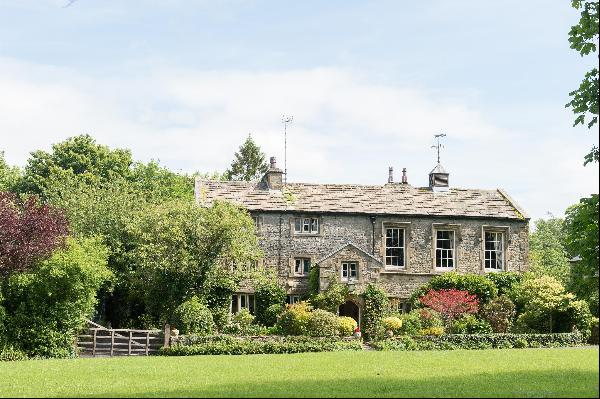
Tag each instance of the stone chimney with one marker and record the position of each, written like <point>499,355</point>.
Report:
<point>404,177</point>
<point>273,178</point>
<point>438,179</point>
<point>390,174</point>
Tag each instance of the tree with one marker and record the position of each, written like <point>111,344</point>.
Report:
<point>249,163</point>
<point>29,232</point>
<point>9,176</point>
<point>547,250</point>
<point>450,303</point>
<point>581,240</point>
<point>181,250</point>
<point>583,38</point>
<point>79,155</point>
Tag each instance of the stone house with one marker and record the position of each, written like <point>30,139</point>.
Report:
<point>395,235</point>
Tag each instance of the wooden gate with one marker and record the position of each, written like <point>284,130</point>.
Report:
<point>102,341</point>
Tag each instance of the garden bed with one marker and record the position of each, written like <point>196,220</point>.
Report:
<point>480,341</point>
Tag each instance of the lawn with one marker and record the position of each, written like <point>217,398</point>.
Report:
<point>509,372</point>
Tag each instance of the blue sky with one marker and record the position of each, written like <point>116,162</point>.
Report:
<point>369,84</point>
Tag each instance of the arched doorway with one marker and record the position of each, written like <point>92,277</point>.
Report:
<point>350,309</point>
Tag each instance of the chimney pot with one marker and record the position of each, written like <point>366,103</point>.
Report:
<point>404,177</point>
<point>390,175</point>
<point>273,163</point>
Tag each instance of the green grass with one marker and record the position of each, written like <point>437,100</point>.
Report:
<point>509,372</point>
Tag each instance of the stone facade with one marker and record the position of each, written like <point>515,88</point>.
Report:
<point>360,238</point>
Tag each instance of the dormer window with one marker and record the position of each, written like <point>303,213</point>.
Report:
<point>306,226</point>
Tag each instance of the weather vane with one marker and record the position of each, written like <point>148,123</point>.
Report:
<point>438,145</point>
<point>285,120</point>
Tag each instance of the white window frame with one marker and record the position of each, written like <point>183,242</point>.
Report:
<point>402,247</point>
<point>347,270</point>
<point>301,261</point>
<point>502,251</point>
<point>452,249</point>
<point>306,225</point>
<point>246,298</point>
<point>293,299</point>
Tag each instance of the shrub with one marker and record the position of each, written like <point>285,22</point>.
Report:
<point>376,305</point>
<point>475,284</point>
<point>594,332</point>
<point>411,323</point>
<point>430,318</point>
<point>450,303</point>
<point>228,345</point>
<point>9,354</point>
<point>272,313</point>
<point>577,315</point>
<point>267,294</point>
<point>436,331</point>
<point>294,319</point>
<point>332,297</point>
<point>193,317</point>
<point>347,325</point>
<point>469,324</point>
<point>322,323</point>
<point>393,324</point>
<point>505,282</point>
<point>46,308</point>
<point>500,313</point>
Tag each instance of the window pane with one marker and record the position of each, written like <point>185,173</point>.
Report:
<point>315,225</point>
<point>298,225</point>
<point>234,304</point>
<point>306,226</point>
<point>306,265</point>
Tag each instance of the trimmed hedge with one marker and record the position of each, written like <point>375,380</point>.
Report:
<point>229,345</point>
<point>480,341</point>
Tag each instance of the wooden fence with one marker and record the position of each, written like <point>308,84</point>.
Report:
<point>101,341</point>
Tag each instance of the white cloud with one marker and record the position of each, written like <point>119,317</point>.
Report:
<point>346,129</point>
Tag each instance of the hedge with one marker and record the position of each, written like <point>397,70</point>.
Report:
<point>480,341</point>
<point>230,345</point>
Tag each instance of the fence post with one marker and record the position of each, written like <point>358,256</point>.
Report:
<point>147,341</point>
<point>129,352</point>
<point>94,344</point>
<point>167,341</point>
<point>112,341</point>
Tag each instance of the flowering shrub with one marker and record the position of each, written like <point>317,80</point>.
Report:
<point>435,331</point>
<point>393,324</point>
<point>450,303</point>
<point>478,285</point>
<point>376,304</point>
<point>294,319</point>
<point>347,326</point>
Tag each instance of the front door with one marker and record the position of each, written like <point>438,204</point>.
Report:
<point>350,309</point>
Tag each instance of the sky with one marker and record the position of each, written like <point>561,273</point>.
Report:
<point>369,84</point>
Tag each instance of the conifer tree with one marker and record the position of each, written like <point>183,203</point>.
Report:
<point>249,163</point>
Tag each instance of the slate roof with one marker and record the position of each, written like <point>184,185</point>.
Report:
<point>388,199</point>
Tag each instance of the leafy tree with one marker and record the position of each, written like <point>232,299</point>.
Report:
<point>332,297</point>
<point>79,155</point>
<point>450,303</point>
<point>29,232</point>
<point>47,306</point>
<point>583,38</point>
<point>548,254</point>
<point>9,176</point>
<point>268,293</point>
<point>581,240</point>
<point>249,163</point>
<point>180,250</point>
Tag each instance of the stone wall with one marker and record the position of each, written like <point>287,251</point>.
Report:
<point>281,246</point>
